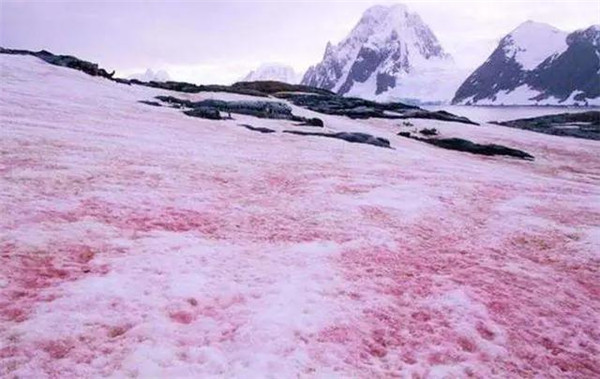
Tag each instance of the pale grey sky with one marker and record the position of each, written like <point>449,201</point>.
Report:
<point>220,41</point>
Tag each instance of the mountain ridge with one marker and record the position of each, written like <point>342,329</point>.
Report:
<point>565,70</point>
<point>382,56</point>
<point>273,72</point>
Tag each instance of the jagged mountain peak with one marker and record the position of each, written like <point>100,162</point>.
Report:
<point>388,45</point>
<point>150,75</point>
<point>537,63</point>
<point>530,43</point>
<point>591,35</point>
<point>273,71</point>
<point>381,26</point>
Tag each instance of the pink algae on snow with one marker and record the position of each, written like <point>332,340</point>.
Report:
<point>137,242</point>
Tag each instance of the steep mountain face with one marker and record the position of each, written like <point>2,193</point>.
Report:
<point>537,64</point>
<point>391,54</point>
<point>273,71</point>
<point>152,76</point>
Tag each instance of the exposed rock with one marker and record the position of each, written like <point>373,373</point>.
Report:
<point>261,109</point>
<point>429,132</point>
<point>312,122</point>
<point>437,115</point>
<point>195,88</point>
<point>153,103</point>
<point>345,106</point>
<point>362,109</point>
<point>579,125</point>
<point>353,137</point>
<point>204,112</point>
<point>257,129</point>
<point>172,100</point>
<point>64,61</point>
<point>460,144</point>
<point>271,87</point>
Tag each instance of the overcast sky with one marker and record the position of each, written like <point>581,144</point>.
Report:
<point>219,42</point>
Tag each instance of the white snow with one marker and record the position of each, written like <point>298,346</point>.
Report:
<point>525,95</point>
<point>149,76</point>
<point>534,42</point>
<point>137,241</point>
<point>274,71</point>
<point>395,28</point>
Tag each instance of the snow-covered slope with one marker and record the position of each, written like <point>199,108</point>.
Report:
<point>532,43</point>
<point>136,241</point>
<point>150,76</point>
<point>537,64</point>
<point>273,71</point>
<point>391,54</point>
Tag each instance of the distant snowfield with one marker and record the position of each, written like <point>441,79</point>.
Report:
<point>139,242</point>
<point>523,95</point>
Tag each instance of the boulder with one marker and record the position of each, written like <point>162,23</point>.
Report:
<point>353,137</point>
<point>429,132</point>
<point>460,144</point>
<point>259,129</point>
<point>584,125</point>
<point>204,112</point>
<point>312,122</point>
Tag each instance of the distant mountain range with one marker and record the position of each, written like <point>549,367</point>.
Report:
<point>537,64</point>
<point>273,71</point>
<point>391,54</point>
<point>151,76</point>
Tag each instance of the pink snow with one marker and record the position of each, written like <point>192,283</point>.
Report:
<point>139,242</point>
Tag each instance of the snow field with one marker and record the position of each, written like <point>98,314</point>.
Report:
<point>139,242</point>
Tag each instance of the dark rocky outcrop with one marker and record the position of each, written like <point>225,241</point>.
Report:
<point>312,122</point>
<point>260,109</point>
<point>63,61</point>
<point>464,145</point>
<point>437,115</point>
<point>271,87</point>
<point>344,106</point>
<point>429,132</point>
<point>353,137</point>
<point>204,112</point>
<point>363,109</point>
<point>258,129</point>
<point>579,125</point>
<point>153,103</point>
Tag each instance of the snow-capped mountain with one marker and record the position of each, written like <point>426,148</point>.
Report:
<point>537,64</point>
<point>273,71</point>
<point>152,76</point>
<point>391,54</point>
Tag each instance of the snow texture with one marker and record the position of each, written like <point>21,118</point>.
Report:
<point>390,54</point>
<point>273,71</point>
<point>139,242</point>
<point>534,42</point>
<point>537,64</point>
<point>150,76</point>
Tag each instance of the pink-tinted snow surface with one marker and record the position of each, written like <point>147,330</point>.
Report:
<point>138,242</point>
